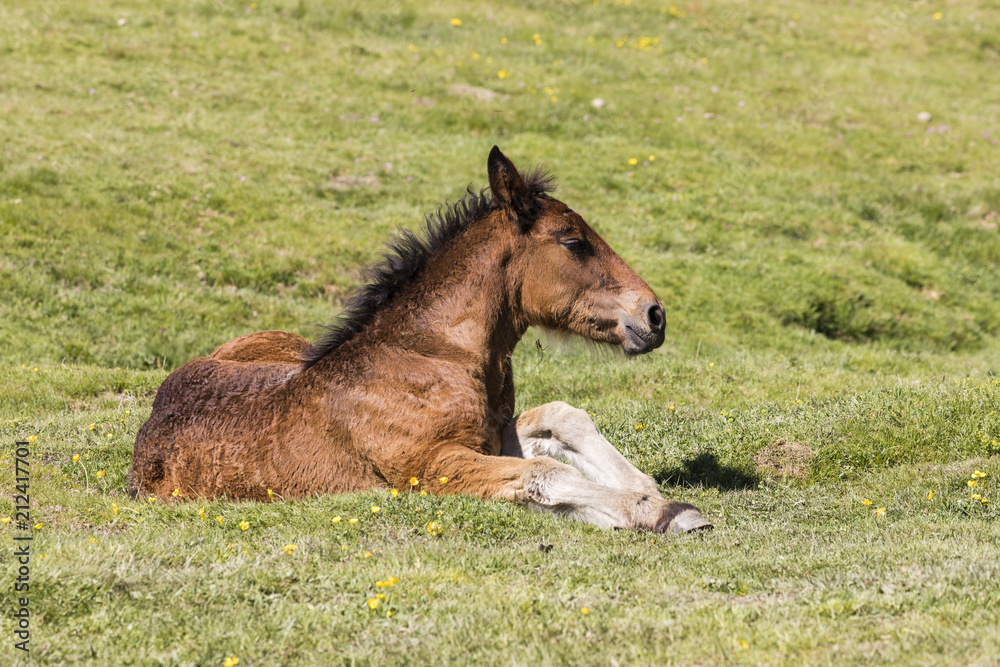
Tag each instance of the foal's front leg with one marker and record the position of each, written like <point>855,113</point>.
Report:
<point>544,484</point>
<point>561,431</point>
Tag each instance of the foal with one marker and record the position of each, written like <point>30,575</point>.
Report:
<point>415,380</point>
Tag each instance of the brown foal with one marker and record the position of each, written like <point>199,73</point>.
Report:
<point>415,379</point>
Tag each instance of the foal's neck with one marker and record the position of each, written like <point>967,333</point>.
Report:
<point>462,308</point>
<point>468,296</point>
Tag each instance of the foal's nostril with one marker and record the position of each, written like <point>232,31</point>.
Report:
<point>657,318</point>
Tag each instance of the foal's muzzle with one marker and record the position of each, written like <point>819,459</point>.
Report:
<point>644,331</point>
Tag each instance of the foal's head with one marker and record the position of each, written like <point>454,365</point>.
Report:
<point>569,279</point>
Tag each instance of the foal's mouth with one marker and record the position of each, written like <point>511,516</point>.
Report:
<point>638,340</point>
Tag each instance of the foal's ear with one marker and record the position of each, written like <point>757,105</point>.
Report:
<point>509,190</point>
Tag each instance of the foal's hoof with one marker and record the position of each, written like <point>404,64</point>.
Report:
<point>689,521</point>
<point>682,518</point>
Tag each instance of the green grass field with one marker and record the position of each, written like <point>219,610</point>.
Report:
<point>176,174</point>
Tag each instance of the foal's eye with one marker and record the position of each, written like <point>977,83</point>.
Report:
<point>578,247</point>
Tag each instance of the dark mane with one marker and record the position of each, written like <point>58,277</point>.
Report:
<point>405,257</point>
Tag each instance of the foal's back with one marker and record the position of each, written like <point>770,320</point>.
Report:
<point>266,346</point>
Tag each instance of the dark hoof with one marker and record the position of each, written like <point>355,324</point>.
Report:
<point>689,521</point>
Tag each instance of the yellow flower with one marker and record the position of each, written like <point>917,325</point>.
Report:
<point>443,480</point>
<point>244,525</point>
<point>414,481</point>
<point>393,492</point>
<point>372,603</point>
<point>335,519</point>
<point>38,526</point>
<point>5,519</point>
<point>376,509</point>
<point>972,483</point>
<point>503,40</point>
<point>32,439</point>
<point>880,512</point>
<point>456,23</point>
<point>220,520</point>
<point>151,499</point>
<point>380,596</point>
<point>92,427</point>
<point>866,502</point>
<point>423,492</point>
<point>584,611</point>
<point>289,548</point>
<point>270,494</point>
<point>984,501</point>
<point>979,474</point>
<point>632,161</point>
<point>76,458</point>
<point>434,528</point>
<point>671,407</point>
<point>652,157</point>
<point>930,494</point>
<point>937,16</point>
<point>976,496</point>
<point>352,520</point>
<point>201,513</point>
<point>99,474</point>
<point>114,508</point>
<point>93,540</point>
<point>368,554</point>
<point>231,661</point>
<point>388,613</point>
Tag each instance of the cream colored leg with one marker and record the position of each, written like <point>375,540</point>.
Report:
<point>561,431</point>
<point>546,485</point>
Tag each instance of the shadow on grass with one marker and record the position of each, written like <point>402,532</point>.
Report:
<point>705,470</point>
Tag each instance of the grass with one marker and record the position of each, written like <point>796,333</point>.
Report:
<point>176,174</point>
